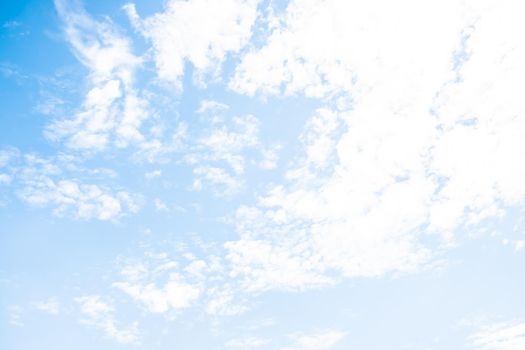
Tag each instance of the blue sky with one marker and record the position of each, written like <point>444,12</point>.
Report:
<point>255,174</point>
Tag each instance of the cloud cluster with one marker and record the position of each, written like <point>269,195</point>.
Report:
<point>220,150</point>
<point>59,182</point>
<point>113,110</point>
<point>201,32</point>
<point>424,136</point>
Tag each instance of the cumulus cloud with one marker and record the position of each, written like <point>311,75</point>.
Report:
<point>100,314</point>
<point>201,32</point>
<point>423,136</point>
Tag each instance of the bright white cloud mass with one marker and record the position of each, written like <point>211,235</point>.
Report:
<point>244,174</point>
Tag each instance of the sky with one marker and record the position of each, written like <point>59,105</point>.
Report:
<point>259,174</point>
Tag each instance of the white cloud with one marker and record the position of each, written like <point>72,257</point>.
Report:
<point>219,153</point>
<point>261,265</point>
<point>500,337</point>
<point>7,155</point>
<point>153,174</point>
<point>175,294</point>
<point>325,47</point>
<point>112,111</point>
<point>227,142</point>
<point>100,314</point>
<point>160,205</point>
<point>43,182</point>
<point>212,107</point>
<point>224,300</point>
<point>50,306</point>
<point>320,340</point>
<point>159,283</point>
<point>202,32</point>
<point>431,140</point>
<point>223,183</point>
<point>163,285</point>
<point>247,342</point>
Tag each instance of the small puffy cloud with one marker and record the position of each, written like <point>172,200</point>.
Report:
<point>159,284</point>
<point>222,182</point>
<point>202,32</point>
<point>175,294</point>
<point>500,337</point>
<point>153,174</point>
<point>50,306</point>
<point>211,107</point>
<point>100,314</point>
<point>160,205</point>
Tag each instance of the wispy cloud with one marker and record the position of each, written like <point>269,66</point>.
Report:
<point>500,337</point>
<point>100,314</point>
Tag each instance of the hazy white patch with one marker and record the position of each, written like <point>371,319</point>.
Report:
<point>50,306</point>
<point>320,340</point>
<point>160,205</point>
<point>500,337</point>
<point>5,179</point>
<point>223,300</point>
<point>246,342</point>
<point>15,315</point>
